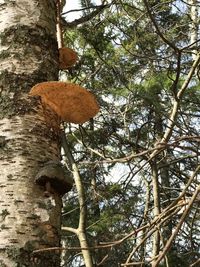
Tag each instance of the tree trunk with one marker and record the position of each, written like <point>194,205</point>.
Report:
<point>28,140</point>
<point>156,200</point>
<point>194,25</point>
<point>81,230</point>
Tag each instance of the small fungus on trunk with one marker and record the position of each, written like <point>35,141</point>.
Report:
<point>67,58</point>
<point>55,178</point>
<point>71,102</point>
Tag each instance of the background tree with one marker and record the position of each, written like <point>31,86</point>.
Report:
<point>138,158</point>
<point>28,139</point>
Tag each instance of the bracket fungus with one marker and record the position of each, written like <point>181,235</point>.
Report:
<point>67,58</point>
<point>71,102</point>
<point>55,178</point>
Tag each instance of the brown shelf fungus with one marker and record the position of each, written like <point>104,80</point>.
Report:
<point>54,178</point>
<point>67,58</point>
<point>71,102</point>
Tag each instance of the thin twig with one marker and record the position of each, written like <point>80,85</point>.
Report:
<point>157,27</point>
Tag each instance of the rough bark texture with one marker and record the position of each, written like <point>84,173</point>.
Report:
<point>28,138</point>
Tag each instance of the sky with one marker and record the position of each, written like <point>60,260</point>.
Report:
<point>74,4</point>
<point>70,5</point>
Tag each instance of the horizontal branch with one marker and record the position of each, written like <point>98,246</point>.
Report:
<point>83,19</point>
<point>70,229</point>
<point>151,225</point>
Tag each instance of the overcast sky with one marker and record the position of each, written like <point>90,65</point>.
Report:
<point>70,5</point>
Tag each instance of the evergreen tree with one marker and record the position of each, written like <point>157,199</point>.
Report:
<point>139,60</point>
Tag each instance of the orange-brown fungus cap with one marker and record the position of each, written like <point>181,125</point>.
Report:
<point>70,101</point>
<point>67,57</point>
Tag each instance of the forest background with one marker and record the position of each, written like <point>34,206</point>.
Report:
<point>135,165</point>
<point>141,61</point>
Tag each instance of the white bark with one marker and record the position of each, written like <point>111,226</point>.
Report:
<point>194,25</point>
<point>24,209</point>
<point>29,14</point>
<point>28,139</point>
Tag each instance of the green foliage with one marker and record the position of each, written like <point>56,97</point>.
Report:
<point>135,70</point>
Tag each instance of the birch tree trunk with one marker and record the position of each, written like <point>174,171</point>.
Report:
<point>194,25</point>
<point>28,55</point>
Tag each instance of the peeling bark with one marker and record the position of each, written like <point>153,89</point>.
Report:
<point>28,136</point>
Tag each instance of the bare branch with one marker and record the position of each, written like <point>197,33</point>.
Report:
<point>157,27</point>
<point>175,232</point>
<point>80,231</point>
<point>76,22</point>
